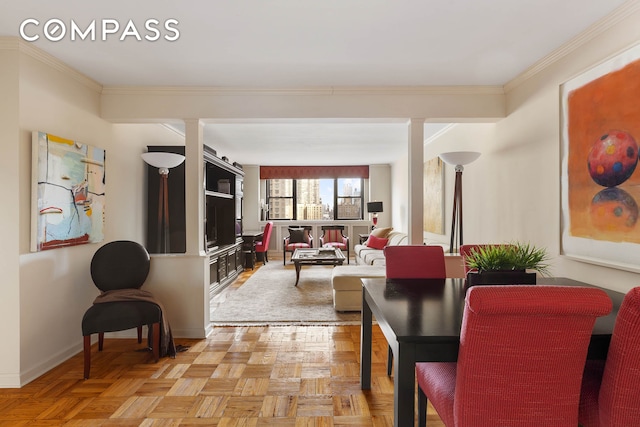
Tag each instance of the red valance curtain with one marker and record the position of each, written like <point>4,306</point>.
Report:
<point>313,172</point>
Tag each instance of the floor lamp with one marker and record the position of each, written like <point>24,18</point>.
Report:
<point>458,159</point>
<point>163,161</point>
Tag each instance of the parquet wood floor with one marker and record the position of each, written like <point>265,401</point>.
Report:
<point>298,376</point>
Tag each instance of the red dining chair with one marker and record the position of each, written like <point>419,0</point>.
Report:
<point>413,262</point>
<point>522,352</point>
<point>262,246</point>
<point>610,389</point>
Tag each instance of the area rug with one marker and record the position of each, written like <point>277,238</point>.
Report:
<point>270,297</point>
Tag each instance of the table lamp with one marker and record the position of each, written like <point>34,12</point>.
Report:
<point>374,208</point>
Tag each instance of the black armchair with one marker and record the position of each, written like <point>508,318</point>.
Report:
<point>116,266</point>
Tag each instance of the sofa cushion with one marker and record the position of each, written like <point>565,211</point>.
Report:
<point>376,242</point>
<point>397,238</point>
<point>372,257</point>
<point>381,232</point>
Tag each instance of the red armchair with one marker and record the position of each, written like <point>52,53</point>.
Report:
<point>299,237</point>
<point>262,246</point>
<point>332,237</point>
<point>522,352</point>
<point>610,389</point>
<point>413,262</point>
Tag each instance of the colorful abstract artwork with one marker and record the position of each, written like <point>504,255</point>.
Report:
<point>68,192</point>
<point>433,219</point>
<point>600,178</point>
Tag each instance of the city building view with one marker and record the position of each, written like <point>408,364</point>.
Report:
<point>315,198</point>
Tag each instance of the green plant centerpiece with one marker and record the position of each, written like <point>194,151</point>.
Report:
<point>506,264</point>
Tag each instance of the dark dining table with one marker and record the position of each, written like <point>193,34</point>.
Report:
<point>421,320</point>
<point>249,239</point>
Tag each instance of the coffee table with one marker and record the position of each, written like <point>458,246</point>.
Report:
<point>316,256</point>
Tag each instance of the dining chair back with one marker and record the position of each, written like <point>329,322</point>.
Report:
<point>262,246</point>
<point>415,262</point>
<point>522,352</point>
<point>610,390</point>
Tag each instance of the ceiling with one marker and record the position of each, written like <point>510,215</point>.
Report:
<point>302,43</point>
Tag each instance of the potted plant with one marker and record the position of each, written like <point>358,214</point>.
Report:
<point>506,264</point>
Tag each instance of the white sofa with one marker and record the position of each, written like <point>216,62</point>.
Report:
<point>369,256</point>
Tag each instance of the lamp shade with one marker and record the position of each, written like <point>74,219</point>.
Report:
<point>459,157</point>
<point>374,207</point>
<point>163,160</point>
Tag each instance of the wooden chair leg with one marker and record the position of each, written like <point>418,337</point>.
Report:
<point>100,340</point>
<point>389,361</point>
<point>139,334</point>
<point>155,328</point>
<point>87,356</point>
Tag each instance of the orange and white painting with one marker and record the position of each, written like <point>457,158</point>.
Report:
<point>600,174</point>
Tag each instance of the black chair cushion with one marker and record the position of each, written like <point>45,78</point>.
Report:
<point>119,316</point>
<point>121,264</point>
<point>298,235</point>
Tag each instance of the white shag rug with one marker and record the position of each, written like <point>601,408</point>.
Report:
<point>270,297</point>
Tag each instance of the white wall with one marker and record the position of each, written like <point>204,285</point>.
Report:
<point>513,190</point>
<point>55,285</point>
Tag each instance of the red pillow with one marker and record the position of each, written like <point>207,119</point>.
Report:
<point>376,242</point>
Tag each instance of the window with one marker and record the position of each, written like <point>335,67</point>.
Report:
<point>314,199</point>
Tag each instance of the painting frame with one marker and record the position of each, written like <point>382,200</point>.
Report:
<point>67,193</point>
<point>600,129</point>
<point>433,200</point>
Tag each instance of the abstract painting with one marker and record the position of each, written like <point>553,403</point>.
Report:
<point>68,192</point>
<point>433,197</point>
<point>600,180</point>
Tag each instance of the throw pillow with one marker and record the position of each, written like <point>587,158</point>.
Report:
<point>376,242</point>
<point>381,232</point>
<point>298,235</point>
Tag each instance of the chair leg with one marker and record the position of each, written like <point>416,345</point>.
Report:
<point>422,408</point>
<point>284,257</point>
<point>265,258</point>
<point>100,340</point>
<point>389,361</point>
<point>87,356</point>
<point>139,334</point>
<point>156,341</point>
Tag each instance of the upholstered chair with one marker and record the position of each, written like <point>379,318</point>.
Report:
<point>262,246</point>
<point>413,262</point>
<point>609,394</point>
<point>120,265</point>
<point>299,237</point>
<point>522,352</point>
<point>333,237</point>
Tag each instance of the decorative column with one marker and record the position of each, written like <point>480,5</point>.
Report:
<point>416,170</point>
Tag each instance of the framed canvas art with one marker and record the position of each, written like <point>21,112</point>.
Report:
<point>68,192</point>
<point>600,183</point>
<point>433,218</point>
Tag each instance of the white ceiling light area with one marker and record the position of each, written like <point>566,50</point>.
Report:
<point>316,142</point>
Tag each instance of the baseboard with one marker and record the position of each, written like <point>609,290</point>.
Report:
<point>48,364</point>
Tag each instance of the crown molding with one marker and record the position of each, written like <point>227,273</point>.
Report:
<point>590,33</point>
<point>15,43</point>
<point>302,91</point>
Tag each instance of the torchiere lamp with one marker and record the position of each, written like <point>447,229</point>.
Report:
<point>374,208</point>
<point>163,161</point>
<point>458,159</point>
